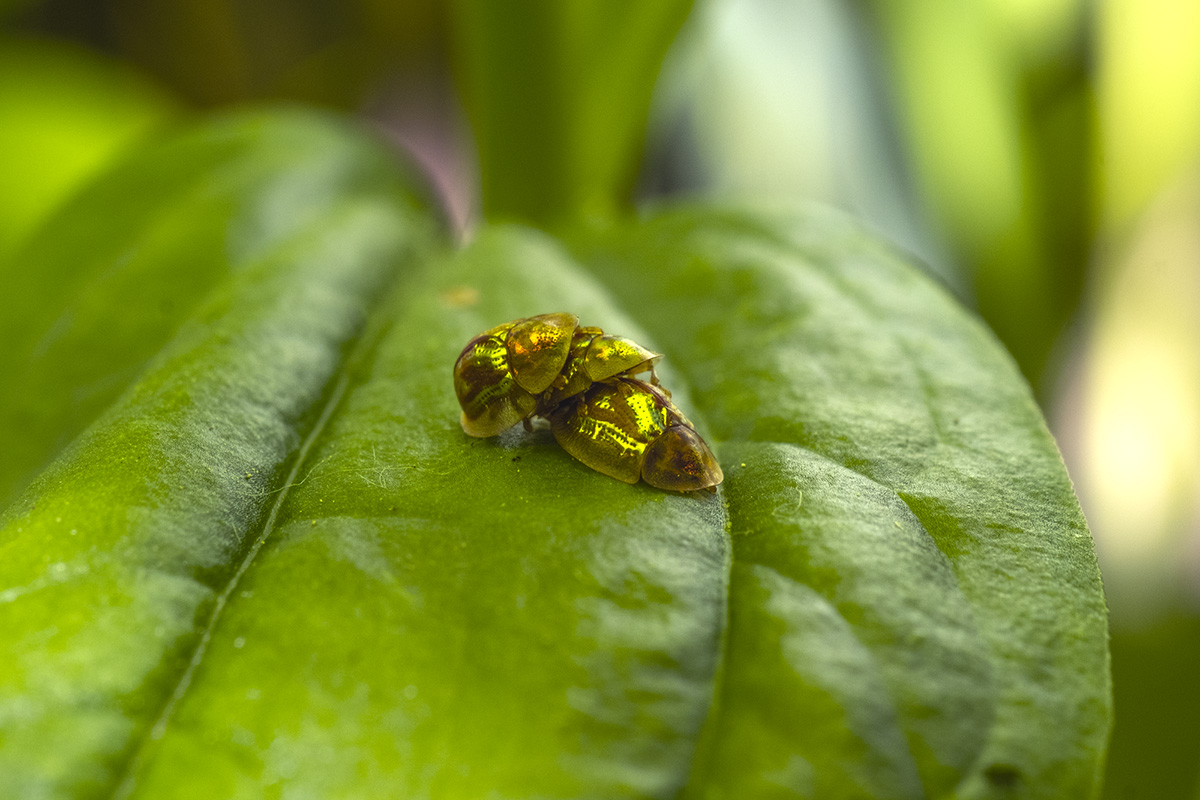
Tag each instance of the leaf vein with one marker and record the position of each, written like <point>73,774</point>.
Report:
<point>127,784</point>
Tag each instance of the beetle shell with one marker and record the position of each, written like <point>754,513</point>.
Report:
<point>630,430</point>
<point>538,348</point>
<point>596,356</point>
<point>500,372</point>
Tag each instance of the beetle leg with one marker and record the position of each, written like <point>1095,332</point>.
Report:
<point>528,425</point>
<point>654,382</point>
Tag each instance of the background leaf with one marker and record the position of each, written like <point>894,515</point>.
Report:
<point>67,114</point>
<point>558,94</point>
<point>997,107</point>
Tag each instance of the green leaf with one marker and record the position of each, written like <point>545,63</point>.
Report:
<point>275,566</point>
<point>239,577</point>
<point>558,94</point>
<point>915,606</point>
<point>459,617</point>
<point>102,287</point>
<point>276,234</point>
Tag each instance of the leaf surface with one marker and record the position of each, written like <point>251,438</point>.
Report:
<point>112,558</point>
<point>915,606</point>
<point>457,617</point>
<point>110,280</point>
<point>272,564</point>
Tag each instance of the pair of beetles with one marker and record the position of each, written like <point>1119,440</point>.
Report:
<point>583,381</point>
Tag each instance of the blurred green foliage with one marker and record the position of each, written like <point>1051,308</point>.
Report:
<point>994,98</point>
<point>1153,753</point>
<point>1028,131</point>
<point>219,52</point>
<point>67,113</point>
<point>558,95</point>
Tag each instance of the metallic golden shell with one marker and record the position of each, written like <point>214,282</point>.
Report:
<point>609,356</point>
<point>681,461</point>
<point>491,399</point>
<point>630,430</point>
<point>595,356</point>
<point>608,428</point>
<point>538,347</point>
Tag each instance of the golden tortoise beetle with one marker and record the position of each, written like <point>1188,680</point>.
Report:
<point>550,366</point>
<point>629,429</point>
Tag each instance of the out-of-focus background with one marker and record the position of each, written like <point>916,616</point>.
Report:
<point>1041,156</point>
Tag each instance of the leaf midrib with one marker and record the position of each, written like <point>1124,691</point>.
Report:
<point>358,349</point>
<point>143,748</point>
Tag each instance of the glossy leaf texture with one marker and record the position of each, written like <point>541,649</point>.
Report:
<point>67,113</point>
<point>271,564</point>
